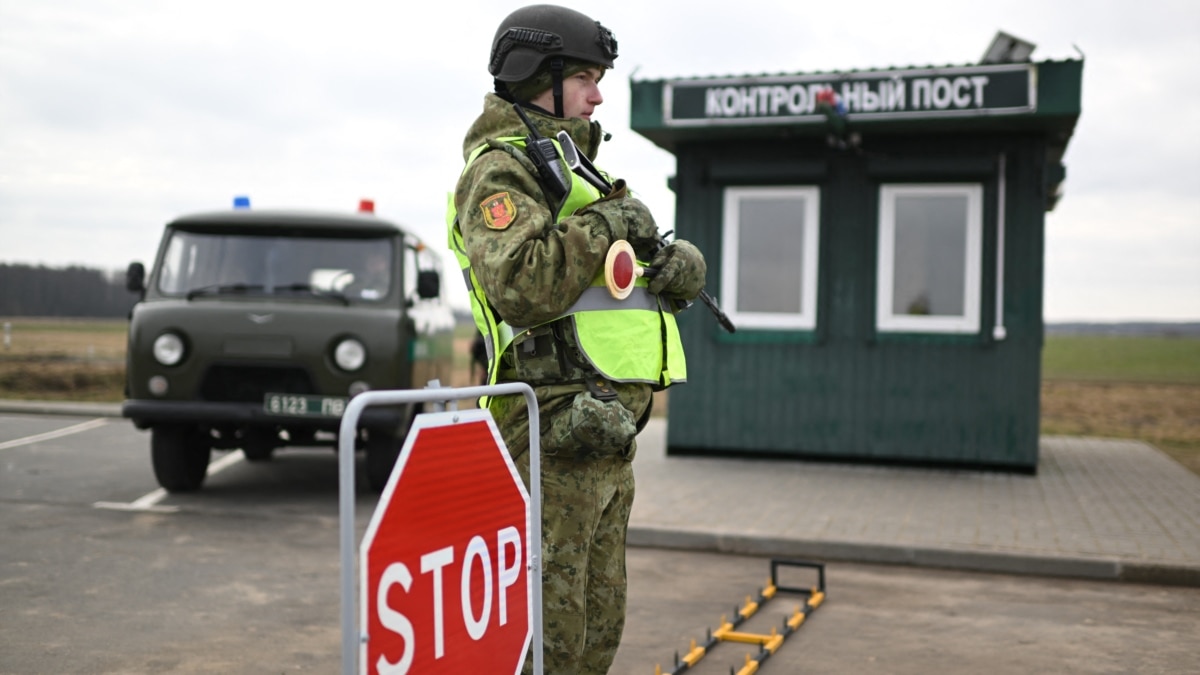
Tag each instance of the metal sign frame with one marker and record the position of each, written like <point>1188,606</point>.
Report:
<point>348,432</point>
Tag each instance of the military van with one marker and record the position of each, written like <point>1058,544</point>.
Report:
<point>255,327</point>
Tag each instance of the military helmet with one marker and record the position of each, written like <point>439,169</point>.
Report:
<point>531,35</point>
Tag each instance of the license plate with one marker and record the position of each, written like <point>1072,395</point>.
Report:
<point>304,404</point>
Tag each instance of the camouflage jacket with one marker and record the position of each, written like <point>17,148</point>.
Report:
<point>531,268</point>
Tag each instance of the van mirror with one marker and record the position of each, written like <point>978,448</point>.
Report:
<point>429,284</point>
<point>135,277</point>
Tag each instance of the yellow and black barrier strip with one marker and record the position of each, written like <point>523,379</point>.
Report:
<point>768,644</point>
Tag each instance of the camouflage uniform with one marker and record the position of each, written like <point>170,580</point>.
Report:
<point>531,269</point>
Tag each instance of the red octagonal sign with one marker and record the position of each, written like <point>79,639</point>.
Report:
<point>445,583</point>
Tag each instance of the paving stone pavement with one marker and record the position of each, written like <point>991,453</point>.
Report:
<point>1097,508</point>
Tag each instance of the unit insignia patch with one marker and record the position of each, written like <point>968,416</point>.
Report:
<point>498,211</point>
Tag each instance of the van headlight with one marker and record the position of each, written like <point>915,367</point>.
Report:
<point>168,349</point>
<point>350,354</point>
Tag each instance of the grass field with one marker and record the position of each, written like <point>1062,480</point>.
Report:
<point>1119,387</point>
<point>1100,358</point>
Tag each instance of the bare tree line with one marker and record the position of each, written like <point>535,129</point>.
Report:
<point>28,290</point>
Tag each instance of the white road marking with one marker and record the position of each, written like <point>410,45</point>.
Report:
<point>147,504</point>
<point>150,501</point>
<point>65,431</point>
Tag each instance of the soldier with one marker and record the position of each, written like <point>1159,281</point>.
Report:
<point>535,269</point>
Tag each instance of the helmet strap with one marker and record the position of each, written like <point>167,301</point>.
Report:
<point>502,91</point>
<point>556,77</point>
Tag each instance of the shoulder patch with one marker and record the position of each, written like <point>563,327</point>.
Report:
<point>498,210</point>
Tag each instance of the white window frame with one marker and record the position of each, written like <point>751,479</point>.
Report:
<point>805,316</point>
<point>886,320</point>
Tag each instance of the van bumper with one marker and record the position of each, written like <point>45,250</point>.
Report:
<point>146,413</point>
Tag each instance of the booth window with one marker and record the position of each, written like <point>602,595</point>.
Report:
<point>930,257</point>
<point>769,257</point>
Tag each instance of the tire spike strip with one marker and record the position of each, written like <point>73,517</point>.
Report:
<point>768,644</point>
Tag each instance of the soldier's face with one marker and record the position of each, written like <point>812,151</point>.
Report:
<point>581,94</point>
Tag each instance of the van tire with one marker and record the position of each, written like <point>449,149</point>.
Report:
<point>179,454</point>
<point>382,450</point>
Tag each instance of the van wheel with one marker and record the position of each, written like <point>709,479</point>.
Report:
<point>383,448</point>
<point>179,453</point>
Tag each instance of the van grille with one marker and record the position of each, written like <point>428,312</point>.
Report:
<point>250,383</point>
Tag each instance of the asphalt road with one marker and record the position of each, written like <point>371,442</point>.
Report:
<point>101,573</point>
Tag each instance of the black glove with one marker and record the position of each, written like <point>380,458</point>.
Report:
<point>681,269</point>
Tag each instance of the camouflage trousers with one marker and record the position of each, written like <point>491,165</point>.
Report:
<point>585,516</point>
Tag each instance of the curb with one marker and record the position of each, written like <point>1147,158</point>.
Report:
<point>1106,569</point>
<point>61,408</point>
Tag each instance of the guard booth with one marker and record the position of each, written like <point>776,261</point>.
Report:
<point>877,238</point>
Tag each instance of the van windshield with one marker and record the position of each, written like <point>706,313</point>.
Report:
<point>201,263</point>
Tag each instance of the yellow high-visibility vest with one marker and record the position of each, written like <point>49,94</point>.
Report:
<point>631,340</point>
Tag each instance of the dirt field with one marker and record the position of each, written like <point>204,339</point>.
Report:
<point>62,359</point>
<point>75,339</point>
<point>1164,415</point>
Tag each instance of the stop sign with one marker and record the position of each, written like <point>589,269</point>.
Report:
<point>445,584</point>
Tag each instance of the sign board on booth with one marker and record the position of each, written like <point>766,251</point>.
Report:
<point>890,94</point>
<point>445,584</point>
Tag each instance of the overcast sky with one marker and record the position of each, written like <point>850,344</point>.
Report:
<point>117,115</point>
